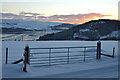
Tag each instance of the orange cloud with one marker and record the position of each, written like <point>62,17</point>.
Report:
<point>72,18</point>
<point>82,18</point>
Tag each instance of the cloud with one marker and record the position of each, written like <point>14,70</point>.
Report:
<point>11,16</point>
<point>42,17</point>
<point>72,18</point>
<point>15,16</point>
<point>7,15</point>
<point>29,13</point>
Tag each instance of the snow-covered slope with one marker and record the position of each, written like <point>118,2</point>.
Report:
<point>114,34</point>
<point>92,30</point>
<point>64,26</point>
<point>28,24</point>
<point>82,34</point>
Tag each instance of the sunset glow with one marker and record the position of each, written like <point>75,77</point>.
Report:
<point>63,11</point>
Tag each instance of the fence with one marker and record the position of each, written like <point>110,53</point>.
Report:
<point>65,55</point>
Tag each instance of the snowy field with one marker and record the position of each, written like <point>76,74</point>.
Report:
<point>106,67</point>
<point>25,36</point>
<point>0,59</point>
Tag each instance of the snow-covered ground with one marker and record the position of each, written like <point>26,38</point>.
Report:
<point>106,67</point>
<point>27,36</point>
<point>0,59</point>
<point>113,34</point>
<point>10,23</point>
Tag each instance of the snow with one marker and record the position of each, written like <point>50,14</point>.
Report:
<point>76,35</point>
<point>104,68</point>
<point>113,34</point>
<point>10,23</point>
<point>84,30</point>
<point>25,36</point>
<point>84,37</point>
<point>100,22</point>
<point>0,60</point>
<point>63,28</point>
<point>0,54</point>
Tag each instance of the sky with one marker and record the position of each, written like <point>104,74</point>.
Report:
<point>64,11</point>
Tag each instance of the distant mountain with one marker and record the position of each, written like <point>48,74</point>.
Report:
<point>103,29</point>
<point>10,23</point>
<point>63,26</point>
<point>14,30</point>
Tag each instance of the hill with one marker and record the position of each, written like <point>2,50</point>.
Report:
<point>103,29</point>
<point>38,25</point>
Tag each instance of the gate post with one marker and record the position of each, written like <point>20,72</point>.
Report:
<point>27,54</point>
<point>25,62</point>
<point>26,58</point>
<point>6,55</point>
<point>98,50</point>
<point>113,51</point>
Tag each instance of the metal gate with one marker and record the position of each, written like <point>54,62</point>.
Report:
<point>61,55</point>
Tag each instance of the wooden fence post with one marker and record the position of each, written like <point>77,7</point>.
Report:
<point>26,58</point>
<point>98,50</point>
<point>27,54</point>
<point>113,51</point>
<point>6,55</point>
<point>25,62</point>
